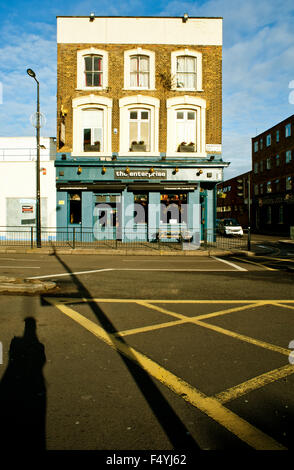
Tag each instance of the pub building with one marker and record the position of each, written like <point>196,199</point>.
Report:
<point>138,126</point>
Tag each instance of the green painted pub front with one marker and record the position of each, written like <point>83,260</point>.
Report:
<point>138,199</point>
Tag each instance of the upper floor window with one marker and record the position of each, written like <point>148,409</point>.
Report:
<point>288,156</point>
<point>277,160</point>
<point>288,130</point>
<point>139,69</point>
<point>261,143</point>
<point>186,125</point>
<point>268,140</point>
<point>92,125</point>
<point>139,130</point>
<point>277,136</point>
<point>256,146</point>
<point>186,130</point>
<point>92,69</point>
<point>261,166</point>
<point>139,125</point>
<point>186,68</point>
<point>268,163</point>
<point>186,72</point>
<point>256,167</point>
<point>92,130</point>
<point>288,183</point>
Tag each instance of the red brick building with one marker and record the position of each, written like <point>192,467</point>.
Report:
<point>273,178</point>
<point>232,198</point>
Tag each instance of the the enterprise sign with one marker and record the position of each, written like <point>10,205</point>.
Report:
<point>141,174</point>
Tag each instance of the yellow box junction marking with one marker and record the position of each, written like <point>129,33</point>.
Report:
<point>212,406</point>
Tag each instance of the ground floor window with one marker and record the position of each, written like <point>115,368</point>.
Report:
<point>141,208</point>
<point>75,208</point>
<point>173,208</point>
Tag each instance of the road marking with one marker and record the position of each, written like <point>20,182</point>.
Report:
<point>145,269</point>
<point>168,301</point>
<point>208,405</point>
<point>218,329</point>
<point>229,263</point>
<point>21,267</point>
<point>278,259</point>
<point>253,262</point>
<point>71,274</point>
<point>255,383</point>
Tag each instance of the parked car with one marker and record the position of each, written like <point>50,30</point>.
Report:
<point>230,227</point>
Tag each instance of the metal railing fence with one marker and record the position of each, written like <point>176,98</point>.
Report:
<point>114,238</point>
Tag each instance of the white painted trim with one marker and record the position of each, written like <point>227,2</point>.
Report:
<point>80,68</point>
<point>137,101</point>
<point>139,51</point>
<point>186,102</point>
<point>191,53</point>
<point>91,101</point>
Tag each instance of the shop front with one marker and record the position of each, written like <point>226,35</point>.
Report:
<point>167,204</point>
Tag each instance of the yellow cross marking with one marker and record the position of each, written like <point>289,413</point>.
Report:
<point>212,406</point>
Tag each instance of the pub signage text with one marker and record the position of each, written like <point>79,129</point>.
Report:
<point>140,174</point>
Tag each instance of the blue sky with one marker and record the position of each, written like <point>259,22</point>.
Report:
<point>258,62</point>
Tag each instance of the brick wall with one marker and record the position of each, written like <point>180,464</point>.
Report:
<point>211,84</point>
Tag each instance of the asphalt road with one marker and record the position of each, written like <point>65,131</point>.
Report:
<point>134,353</point>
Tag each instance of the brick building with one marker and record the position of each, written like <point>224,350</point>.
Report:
<point>139,119</point>
<point>232,198</point>
<point>273,178</point>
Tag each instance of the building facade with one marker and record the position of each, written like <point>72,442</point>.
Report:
<point>18,182</point>
<point>232,199</point>
<point>273,178</point>
<point>139,119</point>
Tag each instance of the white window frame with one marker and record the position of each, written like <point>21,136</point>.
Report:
<point>189,103</point>
<point>190,53</point>
<point>129,103</point>
<point>94,102</point>
<point>127,68</point>
<point>81,68</point>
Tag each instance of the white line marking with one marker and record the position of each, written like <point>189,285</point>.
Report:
<point>70,274</point>
<point>142,269</point>
<point>230,264</point>
<point>21,267</point>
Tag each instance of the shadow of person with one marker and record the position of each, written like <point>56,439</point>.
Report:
<point>23,393</point>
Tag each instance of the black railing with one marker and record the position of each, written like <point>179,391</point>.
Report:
<point>144,238</point>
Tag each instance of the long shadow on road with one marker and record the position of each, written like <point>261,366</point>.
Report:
<point>173,427</point>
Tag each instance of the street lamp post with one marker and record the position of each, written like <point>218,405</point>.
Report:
<point>249,215</point>
<point>31,73</point>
